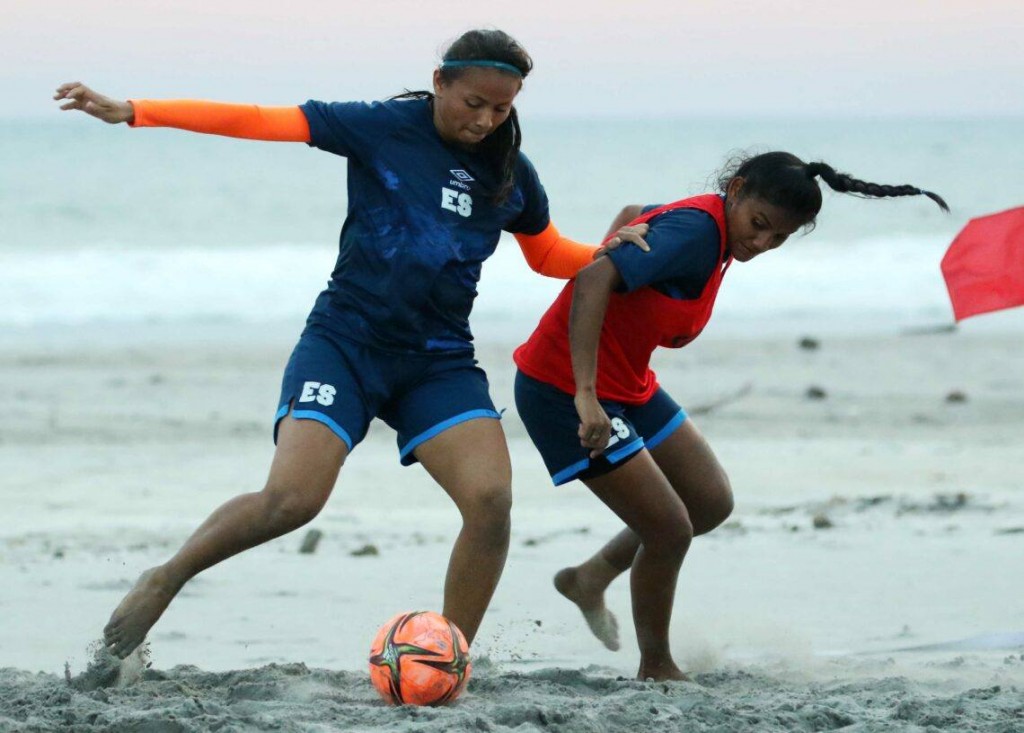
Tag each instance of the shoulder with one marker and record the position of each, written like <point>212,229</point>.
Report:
<point>526,176</point>
<point>524,166</point>
<point>690,228</point>
<point>356,128</point>
<point>529,196</point>
<point>695,221</point>
<point>406,108</point>
<point>389,108</point>
<point>685,245</point>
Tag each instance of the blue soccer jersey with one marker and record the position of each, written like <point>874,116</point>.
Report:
<point>421,220</point>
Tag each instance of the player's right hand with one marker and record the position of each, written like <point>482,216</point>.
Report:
<point>595,428</point>
<point>83,98</point>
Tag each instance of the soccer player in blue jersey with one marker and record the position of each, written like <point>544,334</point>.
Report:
<point>433,180</point>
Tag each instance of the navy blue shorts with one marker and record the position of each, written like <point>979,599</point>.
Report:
<point>345,384</point>
<point>551,420</point>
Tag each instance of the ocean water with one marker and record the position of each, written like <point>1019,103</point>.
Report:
<point>102,224</point>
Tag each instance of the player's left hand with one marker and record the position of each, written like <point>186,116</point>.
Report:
<point>627,234</point>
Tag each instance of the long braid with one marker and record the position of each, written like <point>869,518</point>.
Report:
<point>845,183</point>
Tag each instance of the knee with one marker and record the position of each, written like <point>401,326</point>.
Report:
<point>726,505</point>
<point>680,536</point>
<point>671,536</point>
<point>289,508</point>
<point>488,507</point>
<point>717,509</point>
<point>711,503</point>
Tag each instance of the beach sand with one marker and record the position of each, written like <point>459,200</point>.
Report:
<point>869,578</point>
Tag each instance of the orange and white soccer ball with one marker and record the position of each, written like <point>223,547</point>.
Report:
<point>419,658</point>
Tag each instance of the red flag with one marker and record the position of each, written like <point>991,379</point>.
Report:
<point>984,266</point>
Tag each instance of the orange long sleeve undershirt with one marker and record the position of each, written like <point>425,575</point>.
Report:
<point>249,121</point>
<point>548,252</point>
<point>551,254</point>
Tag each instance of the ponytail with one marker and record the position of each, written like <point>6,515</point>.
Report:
<point>844,183</point>
<point>782,179</point>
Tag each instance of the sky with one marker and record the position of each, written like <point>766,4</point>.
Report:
<point>752,58</point>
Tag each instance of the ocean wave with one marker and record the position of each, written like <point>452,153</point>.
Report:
<point>880,281</point>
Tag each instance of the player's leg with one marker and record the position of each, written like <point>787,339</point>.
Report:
<point>550,417</point>
<point>471,463</point>
<point>687,461</point>
<point>311,448</point>
<point>691,467</point>
<point>305,467</point>
<point>659,534</point>
<point>585,584</point>
<point>643,498</point>
<point>447,421</point>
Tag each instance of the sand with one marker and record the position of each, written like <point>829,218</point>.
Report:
<point>868,580</point>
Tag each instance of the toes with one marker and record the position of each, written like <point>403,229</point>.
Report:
<point>611,639</point>
<point>123,648</point>
<point>119,644</point>
<point>605,627</point>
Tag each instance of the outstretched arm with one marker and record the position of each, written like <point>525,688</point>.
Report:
<point>593,289</point>
<point>284,124</point>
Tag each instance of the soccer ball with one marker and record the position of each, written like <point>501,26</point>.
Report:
<point>419,658</point>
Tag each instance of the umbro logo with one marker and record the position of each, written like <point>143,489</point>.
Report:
<point>461,175</point>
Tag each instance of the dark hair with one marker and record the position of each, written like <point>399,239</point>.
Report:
<point>501,147</point>
<point>782,179</point>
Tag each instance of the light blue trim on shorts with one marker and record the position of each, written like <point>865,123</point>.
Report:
<point>666,431</point>
<point>319,417</point>
<point>568,474</point>
<point>626,450</point>
<point>442,426</point>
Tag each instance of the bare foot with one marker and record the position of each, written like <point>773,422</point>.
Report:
<point>137,613</point>
<point>591,604</point>
<point>661,672</point>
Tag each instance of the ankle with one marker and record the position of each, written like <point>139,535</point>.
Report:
<point>167,578</point>
<point>660,668</point>
<point>597,574</point>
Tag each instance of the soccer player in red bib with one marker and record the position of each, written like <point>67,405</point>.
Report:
<point>433,180</point>
<point>595,411</point>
